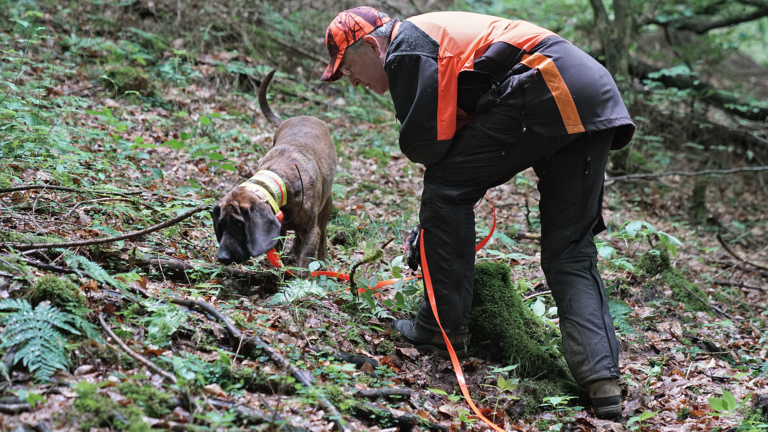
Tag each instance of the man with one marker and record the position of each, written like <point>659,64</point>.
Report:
<point>480,99</point>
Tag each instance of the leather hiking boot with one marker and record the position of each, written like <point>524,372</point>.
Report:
<point>426,339</point>
<point>605,395</point>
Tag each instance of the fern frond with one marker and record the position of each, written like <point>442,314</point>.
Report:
<point>94,270</point>
<point>38,333</point>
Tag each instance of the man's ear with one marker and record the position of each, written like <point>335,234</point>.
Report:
<point>261,230</point>
<point>215,214</point>
<point>371,42</point>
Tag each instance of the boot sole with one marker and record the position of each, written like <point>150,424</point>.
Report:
<point>607,407</point>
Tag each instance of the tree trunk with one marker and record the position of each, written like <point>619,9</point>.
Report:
<point>615,35</point>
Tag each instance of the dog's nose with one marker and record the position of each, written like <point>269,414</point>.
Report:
<point>224,257</point>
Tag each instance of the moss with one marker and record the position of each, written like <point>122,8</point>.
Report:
<point>16,237</point>
<point>654,261</point>
<point>155,403</point>
<point>95,410</point>
<point>531,393</point>
<point>698,208</point>
<point>516,335</point>
<point>385,347</point>
<point>61,293</point>
<point>126,78</point>
<point>256,381</point>
<point>683,291</point>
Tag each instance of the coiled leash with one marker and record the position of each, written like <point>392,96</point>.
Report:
<point>416,240</point>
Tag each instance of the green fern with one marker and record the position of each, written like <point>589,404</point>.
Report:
<point>93,270</point>
<point>38,334</point>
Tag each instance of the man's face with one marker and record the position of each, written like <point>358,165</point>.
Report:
<point>365,68</point>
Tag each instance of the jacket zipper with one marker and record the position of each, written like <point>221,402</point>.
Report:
<point>585,188</point>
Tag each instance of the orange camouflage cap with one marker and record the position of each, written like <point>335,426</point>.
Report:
<point>347,28</point>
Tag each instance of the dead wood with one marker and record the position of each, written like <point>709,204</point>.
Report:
<point>611,180</point>
<point>255,343</point>
<point>405,421</point>
<point>180,269</point>
<point>740,285</point>
<point>66,189</point>
<point>387,392</point>
<point>170,222</point>
<point>254,415</point>
<point>737,256</point>
<point>134,354</point>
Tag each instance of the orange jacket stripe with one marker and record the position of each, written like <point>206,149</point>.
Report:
<point>559,90</point>
<point>446,97</point>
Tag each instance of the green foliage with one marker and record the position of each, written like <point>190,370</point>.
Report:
<point>640,419</point>
<point>164,320</point>
<point>40,335</point>
<point>61,293</point>
<point>498,315</point>
<point>690,294</point>
<point>727,405</point>
<point>154,402</point>
<point>654,261</point>
<point>128,79</point>
<point>95,410</point>
<point>620,312</point>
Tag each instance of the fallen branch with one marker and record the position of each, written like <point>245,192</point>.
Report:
<point>14,408</point>
<point>134,354</point>
<point>610,180</point>
<point>44,266</point>
<point>254,415</point>
<point>387,392</point>
<point>256,343</point>
<point>177,219</point>
<point>536,295</point>
<point>177,268</point>
<point>739,284</point>
<point>737,256</point>
<point>66,189</point>
<point>404,420</point>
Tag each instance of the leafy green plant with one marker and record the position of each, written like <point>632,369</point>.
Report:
<point>39,334</point>
<point>640,419</point>
<point>727,405</point>
<point>163,321</point>
<point>559,405</point>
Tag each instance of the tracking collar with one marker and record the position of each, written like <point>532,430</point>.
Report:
<point>278,196</point>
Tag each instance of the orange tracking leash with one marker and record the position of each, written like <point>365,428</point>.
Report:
<point>274,259</point>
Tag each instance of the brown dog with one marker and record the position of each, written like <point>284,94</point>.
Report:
<point>248,219</point>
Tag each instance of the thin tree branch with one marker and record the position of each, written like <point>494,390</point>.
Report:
<point>66,189</point>
<point>134,354</point>
<point>177,219</point>
<point>700,26</point>
<point>610,180</point>
<point>739,284</point>
<point>737,256</point>
<point>254,342</point>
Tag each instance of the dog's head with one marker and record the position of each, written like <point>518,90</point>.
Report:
<point>245,226</point>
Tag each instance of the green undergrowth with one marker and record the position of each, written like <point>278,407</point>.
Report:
<point>656,262</point>
<point>95,410</point>
<point>61,293</point>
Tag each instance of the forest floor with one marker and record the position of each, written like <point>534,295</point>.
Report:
<point>694,349</point>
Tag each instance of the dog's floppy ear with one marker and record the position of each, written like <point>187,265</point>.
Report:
<point>261,230</point>
<point>215,214</point>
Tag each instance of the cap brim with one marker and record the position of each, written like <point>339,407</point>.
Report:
<point>331,72</point>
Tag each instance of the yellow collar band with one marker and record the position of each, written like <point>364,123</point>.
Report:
<point>277,196</point>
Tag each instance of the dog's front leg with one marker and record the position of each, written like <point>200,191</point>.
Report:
<point>322,220</point>
<point>308,249</point>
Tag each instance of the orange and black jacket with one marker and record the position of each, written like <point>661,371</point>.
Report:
<point>447,65</point>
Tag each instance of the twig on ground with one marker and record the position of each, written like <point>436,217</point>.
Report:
<point>536,295</point>
<point>135,355</point>
<point>15,408</point>
<point>739,284</point>
<point>4,274</point>
<point>737,256</point>
<point>254,342</point>
<point>44,266</point>
<point>66,189</point>
<point>402,419</point>
<point>131,200</point>
<point>170,222</point>
<point>252,414</point>
<point>611,180</point>
<point>713,308</point>
<point>384,392</point>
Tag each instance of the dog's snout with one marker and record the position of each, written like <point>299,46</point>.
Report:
<point>224,257</point>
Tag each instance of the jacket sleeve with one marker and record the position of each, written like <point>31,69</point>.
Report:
<point>426,111</point>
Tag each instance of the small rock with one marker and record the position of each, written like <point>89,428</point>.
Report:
<point>84,370</point>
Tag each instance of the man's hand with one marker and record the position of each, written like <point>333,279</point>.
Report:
<point>412,254</point>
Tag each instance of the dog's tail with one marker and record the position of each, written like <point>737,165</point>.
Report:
<point>272,117</point>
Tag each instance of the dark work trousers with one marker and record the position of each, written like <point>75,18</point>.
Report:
<point>487,152</point>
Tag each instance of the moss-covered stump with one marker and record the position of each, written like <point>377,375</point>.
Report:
<point>61,293</point>
<point>515,334</point>
<point>628,161</point>
<point>126,78</point>
<point>656,262</point>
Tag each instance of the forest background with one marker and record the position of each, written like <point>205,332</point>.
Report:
<point>121,123</point>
